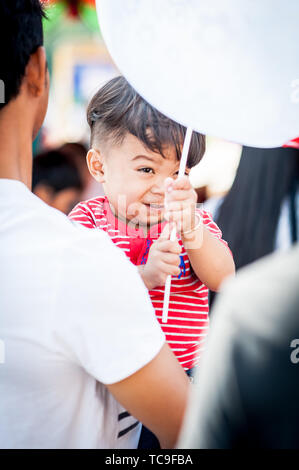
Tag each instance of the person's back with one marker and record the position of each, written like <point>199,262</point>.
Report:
<point>66,313</point>
<point>251,397</point>
<point>49,282</point>
<point>249,215</point>
<point>260,213</point>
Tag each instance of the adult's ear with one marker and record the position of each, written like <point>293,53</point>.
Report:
<point>36,72</point>
<point>95,163</point>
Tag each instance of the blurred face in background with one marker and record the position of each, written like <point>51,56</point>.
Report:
<point>63,200</point>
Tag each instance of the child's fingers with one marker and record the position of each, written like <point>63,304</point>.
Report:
<point>182,182</point>
<point>178,206</point>
<point>169,269</point>
<point>179,195</point>
<point>168,246</point>
<point>168,184</point>
<point>179,185</point>
<point>181,218</point>
<point>170,258</point>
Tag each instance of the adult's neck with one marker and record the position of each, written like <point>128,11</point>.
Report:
<point>16,142</point>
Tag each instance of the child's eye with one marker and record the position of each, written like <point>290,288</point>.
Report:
<point>146,170</point>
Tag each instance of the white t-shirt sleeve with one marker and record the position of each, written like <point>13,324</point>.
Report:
<point>106,320</point>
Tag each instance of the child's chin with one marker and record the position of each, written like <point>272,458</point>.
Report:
<point>146,221</point>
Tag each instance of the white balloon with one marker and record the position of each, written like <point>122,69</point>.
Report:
<point>227,68</point>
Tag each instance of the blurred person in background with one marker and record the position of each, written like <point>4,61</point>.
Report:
<point>250,399</point>
<point>56,180</point>
<point>260,213</point>
<point>246,392</point>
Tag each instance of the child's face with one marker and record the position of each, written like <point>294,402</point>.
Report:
<point>133,179</point>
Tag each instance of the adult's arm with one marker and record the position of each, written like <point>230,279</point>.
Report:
<point>157,396</point>
<point>108,326</point>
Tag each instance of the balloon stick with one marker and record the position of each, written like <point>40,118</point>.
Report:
<point>182,169</point>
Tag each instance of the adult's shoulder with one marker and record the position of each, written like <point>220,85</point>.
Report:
<point>71,249</point>
<point>52,225</point>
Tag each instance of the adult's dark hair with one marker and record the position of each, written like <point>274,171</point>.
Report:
<point>76,150</point>
<point>21,33</point>
<point>55,170</point>
<point>117,109</point>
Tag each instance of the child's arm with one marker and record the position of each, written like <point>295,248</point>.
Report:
<point>209,257</point>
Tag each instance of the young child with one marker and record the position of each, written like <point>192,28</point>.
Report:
<point>135,153</point>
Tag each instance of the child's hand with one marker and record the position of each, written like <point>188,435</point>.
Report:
<point>163,259</point>
<point>180,203</point>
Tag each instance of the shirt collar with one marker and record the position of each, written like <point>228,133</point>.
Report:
<point>13,189</point>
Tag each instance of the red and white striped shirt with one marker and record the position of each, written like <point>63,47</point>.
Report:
<point>188,313</point>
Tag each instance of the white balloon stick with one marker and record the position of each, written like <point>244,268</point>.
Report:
<point>182,169</point>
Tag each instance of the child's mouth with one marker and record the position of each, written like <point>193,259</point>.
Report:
<point>155,207</point>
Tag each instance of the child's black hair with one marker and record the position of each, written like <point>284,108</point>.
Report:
<point>117,109</point>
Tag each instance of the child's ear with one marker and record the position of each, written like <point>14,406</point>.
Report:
<point>95,165</point>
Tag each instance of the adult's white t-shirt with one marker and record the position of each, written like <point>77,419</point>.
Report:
<point>74,316</point>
